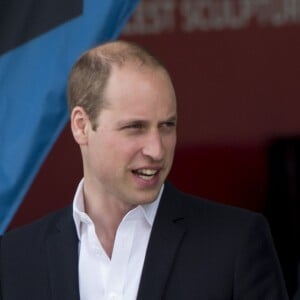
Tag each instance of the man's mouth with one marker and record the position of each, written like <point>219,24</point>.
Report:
<point>145,174</point>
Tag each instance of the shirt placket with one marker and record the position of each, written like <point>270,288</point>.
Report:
<point>120,260</point>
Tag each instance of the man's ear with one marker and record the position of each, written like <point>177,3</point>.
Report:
<point>80,124</point>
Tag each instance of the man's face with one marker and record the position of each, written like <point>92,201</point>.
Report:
<point>129,155</point>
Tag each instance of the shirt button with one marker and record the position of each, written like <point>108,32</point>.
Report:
<point>97,251</point>
<point>113,296</point>
<point>85,219</point>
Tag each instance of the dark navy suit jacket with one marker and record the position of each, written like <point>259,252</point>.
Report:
<point>198,250</point>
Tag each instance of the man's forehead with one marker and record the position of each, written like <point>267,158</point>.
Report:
<point>128,80</point>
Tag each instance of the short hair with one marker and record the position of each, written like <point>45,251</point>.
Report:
<point>89,75</point>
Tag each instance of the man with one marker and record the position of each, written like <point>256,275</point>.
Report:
<point>130,234</point>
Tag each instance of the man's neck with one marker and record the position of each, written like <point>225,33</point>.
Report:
<point>106,216</point>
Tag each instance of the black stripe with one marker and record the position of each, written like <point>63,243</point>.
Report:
<point>23,20</point>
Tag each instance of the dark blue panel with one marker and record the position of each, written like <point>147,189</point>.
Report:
<point>23,20</point>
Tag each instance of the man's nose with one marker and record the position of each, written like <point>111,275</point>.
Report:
<point>153,146</point>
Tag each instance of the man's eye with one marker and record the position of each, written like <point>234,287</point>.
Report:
<point>170,124</point>
<point>135,126</point>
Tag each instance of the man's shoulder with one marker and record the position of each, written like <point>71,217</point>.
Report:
<point>203,211</point>
<point>40,228</point>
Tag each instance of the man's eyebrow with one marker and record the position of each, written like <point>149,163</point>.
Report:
<point>173,118</point>
<point>128,121</point>
<point>125,122</point>
<point>170,119</point>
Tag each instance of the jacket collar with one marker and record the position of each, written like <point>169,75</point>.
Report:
<point>62,253</point>
<point>167,233</point>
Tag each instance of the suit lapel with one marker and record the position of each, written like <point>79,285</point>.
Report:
<point>62,254</point>
<point>167,233</point>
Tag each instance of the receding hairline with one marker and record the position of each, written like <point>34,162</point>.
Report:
<point>121,52</point>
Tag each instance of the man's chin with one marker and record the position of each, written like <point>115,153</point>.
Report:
<point>147,196</point>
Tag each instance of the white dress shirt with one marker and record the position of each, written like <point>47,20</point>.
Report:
<point>117,278</point>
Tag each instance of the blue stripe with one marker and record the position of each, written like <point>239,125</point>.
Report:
<point>33,108</point>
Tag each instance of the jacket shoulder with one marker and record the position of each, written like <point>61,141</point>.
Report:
<point>200,211</point>
<point>39,229</point>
